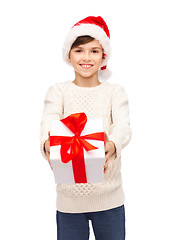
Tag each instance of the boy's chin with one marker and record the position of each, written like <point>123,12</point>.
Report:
<point>87,75</point>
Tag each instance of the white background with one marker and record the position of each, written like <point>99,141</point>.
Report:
<point>32,36</point>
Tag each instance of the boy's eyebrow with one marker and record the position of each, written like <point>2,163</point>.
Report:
<point>96,47</point>
<point>91,48</point>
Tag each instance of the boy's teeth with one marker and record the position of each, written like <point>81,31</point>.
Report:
<point>86,66</point>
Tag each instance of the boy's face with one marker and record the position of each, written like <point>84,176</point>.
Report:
<point>87,58</point>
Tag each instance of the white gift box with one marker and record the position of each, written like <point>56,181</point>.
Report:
<point>94,159</point>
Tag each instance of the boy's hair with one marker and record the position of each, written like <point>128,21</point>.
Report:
<point>83,40</point>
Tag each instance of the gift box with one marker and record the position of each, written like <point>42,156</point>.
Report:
<point>77,153</point>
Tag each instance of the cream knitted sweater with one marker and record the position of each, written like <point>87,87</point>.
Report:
<point>109,102</point>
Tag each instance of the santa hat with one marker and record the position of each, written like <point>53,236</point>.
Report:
<point>97,28</point>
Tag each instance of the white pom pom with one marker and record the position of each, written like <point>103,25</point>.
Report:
<point>104,74</point>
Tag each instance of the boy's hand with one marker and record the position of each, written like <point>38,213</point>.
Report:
<point>110,149</point>
<point>47,149</point>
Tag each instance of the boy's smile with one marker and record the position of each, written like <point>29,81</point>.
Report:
<point>87,59</point>
<point>86,66</point>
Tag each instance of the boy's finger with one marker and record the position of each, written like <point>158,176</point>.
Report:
<point>108,154</point>
<point>105,169</point>
<point>106,137</point>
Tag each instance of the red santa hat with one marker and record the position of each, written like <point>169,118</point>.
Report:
<point>97,28</point>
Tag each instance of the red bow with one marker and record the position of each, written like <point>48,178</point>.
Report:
<point>76,123</point>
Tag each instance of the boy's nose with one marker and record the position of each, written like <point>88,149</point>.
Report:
<point>86,56</point>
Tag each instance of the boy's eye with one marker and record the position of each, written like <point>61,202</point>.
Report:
<point>78,50</point>
<point>95,51</point>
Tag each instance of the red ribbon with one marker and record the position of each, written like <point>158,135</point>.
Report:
<point>76,123</point>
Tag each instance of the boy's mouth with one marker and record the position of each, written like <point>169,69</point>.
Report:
<point>86,66</point>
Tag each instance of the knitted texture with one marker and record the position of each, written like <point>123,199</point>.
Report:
<point>109,102</point>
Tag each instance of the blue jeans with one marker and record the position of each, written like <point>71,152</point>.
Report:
<point>107,225</point>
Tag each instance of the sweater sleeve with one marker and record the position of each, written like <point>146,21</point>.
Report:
<point>53,110</point>
<point>120,131</point>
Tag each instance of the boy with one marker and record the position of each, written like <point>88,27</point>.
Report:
<point>87,48</point>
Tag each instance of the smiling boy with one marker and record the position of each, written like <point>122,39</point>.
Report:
<point>86,60</point>
<point>87,50</point>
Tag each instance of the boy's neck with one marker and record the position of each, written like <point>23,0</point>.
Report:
<point>86,82</point>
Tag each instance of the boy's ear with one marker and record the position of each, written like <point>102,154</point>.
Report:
<point>103,57</point>
<point>69,59</point>
<point>102,60</point>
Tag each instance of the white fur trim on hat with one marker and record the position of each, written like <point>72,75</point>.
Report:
<point>104,74</point>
